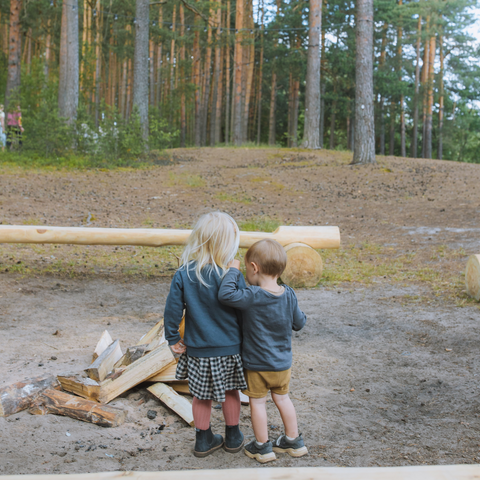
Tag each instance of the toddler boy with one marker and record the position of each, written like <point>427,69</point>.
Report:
<point>269,314</point>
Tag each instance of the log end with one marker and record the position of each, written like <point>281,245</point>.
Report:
<point>304,266</point>
<point>472,277</point>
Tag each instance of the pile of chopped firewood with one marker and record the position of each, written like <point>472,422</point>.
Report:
<point>111,373</point>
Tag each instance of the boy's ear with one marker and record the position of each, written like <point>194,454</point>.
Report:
<point>255,267</point>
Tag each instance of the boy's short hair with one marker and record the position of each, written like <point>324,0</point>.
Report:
<point>269,256</point>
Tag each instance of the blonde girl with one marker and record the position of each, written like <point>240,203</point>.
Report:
<point>212,342</point>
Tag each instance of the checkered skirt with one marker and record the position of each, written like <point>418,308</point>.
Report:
<point>209,378</point>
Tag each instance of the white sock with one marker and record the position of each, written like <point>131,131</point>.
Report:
<point>258,444</point>
<point>289,439</point>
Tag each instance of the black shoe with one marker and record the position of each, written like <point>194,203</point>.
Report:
<point>295,448</point>
<point>206,442</point>
<point>262,454</point>
<point>233,439</point>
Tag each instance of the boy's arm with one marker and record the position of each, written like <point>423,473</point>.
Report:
<point>299,318</point>
<point>231,292</point>
<point>174,310</point>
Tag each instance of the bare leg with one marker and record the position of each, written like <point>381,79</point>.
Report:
<point>259,418</point>
<point>287,412</point>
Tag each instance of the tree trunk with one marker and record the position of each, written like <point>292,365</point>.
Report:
<point>14,52</point>
<point>227,77</point>
<point>238,56</point>
<point>364,148</point>
<point>69,72</point>
<point>399,66</point>
<point>151,66</point>
<point>272,137</point>
<point>158,93</point>
<point>383,56</point>
<point>247,67</point>
<point>417,90</point>
<point>260,77</point>
<point>140,68</point>
<point>196,76</point>
<point>441,101</point>
<point>206,77</point>
<point>311,133</point>
<point>183,113</point>
<point>98,59</point>
<point>428,127</point>
<point>391,143</point>
<point>332,123</point>
<point>48,54</point>
<point>215,117</point>
<point>323,64</point>
<point>425,70</point>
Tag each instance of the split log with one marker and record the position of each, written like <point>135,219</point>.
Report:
<point>132,355</point>
<point>314,236</point>
<point>136,373</point>
<point>21,395</point>
<point>180,387</point>
<point>180,405</point>
<point>304,266</point>
<point>154,337</point>
<point>61,403</point>
<point>104,364</point>
<point>80,384</point>
<point>472,276</point>
<point>166,375</point>
<point>104,342</point>
<point>244,399</point>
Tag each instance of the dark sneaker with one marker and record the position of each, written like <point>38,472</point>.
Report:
<point>295,448</point>
<point>233,439</point>
<point>206,442</point>
<point>262,454</point>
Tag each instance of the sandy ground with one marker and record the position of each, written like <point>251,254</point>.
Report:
<point>410,355</point>
<point>414,401</point>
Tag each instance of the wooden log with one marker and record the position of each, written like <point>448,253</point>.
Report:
<point>61,403</point>
<point>136,373</point>
<point>180,405</point>
<point>104,364</point>
<point>80,384</point>
<point>104,342</point>
<point>314,236</point>
<point>132,355</point>
<point>180,387</point>
<point>155,332</point>
<point>304,266</point>
<point>472,277</point>
<point>21,395</point>
<point>166,375</point>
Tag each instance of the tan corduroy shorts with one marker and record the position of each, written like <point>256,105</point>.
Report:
<point>260,383</point>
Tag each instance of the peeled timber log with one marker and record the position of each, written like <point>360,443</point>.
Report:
<point>304,266</point>
<point>314,236</point>
<point>21,395</point>
<point>472,277</point>
<point>61,403</point>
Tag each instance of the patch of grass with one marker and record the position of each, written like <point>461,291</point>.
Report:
<point>259,224</point>
<point>185,179</point>
<point>236,198</point>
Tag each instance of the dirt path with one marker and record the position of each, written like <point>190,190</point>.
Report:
<point>414,402</point>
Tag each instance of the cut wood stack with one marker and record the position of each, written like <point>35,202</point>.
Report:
<point>111,374</point>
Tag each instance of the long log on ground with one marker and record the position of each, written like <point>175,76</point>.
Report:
<point>314,236</point>
<point>472,277</point>
<point>304,266</point>
<point>180,405</point>
<point>21,395</point>
<point>136,373</point>
<point>61,403</point>
<point>423,472</point>
<point>103,365</point>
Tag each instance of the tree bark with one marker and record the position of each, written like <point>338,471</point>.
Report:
<point>69,69</point>
<point>260,77</point>
<point>238,56</point>
<point>402,100</point>
<point>383,56</point>
<point>98,59</point>
<point>311,133</point>
<point>215,117</point>
<point>227,77</point>
<point>140,73</point>
<point>14,53</point>
<point>183,112</point>
<point>417,91</point>
<point>428,126</point>
<point>323,64</point>
<point>425,70</point>
<point>391,143</point>
<point>332,123</point>
<point>272,137</point>
<point>197,82</point>
<point>364,148</point>
<point>247,67</point>
<point>48,54</point>
<point>206,77</point>
<point>158,92</point>
<point>441,101</point>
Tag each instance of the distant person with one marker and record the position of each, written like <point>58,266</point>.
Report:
<point>14,128</point>
<point>212,342</point>
<point>269,314</point>
<point>3,135</point>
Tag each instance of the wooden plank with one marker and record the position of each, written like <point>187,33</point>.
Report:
<point>313,236</point>
<point>20,396</point>
<point>136,373</point>
<point>420,472</point>
<point>104,364</point>
<point>80,384</point>
<point>104,342</point>
<point>180,405</point>
<point>166,375</point>
<point>61,403</point>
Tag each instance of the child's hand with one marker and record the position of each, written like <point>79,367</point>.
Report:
<point>234,264</point>
<point>179,347</point>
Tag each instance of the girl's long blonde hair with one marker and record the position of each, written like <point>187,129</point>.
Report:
<point>213,242</point>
